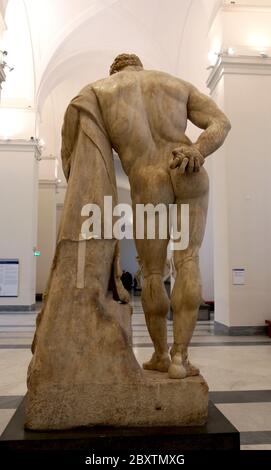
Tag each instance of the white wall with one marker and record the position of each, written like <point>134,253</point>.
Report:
<point>18,214</point>
<point>242,194</point>
<point>240,84</point>
<point>249,196</point>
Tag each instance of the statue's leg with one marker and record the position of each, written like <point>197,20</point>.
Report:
<point>155,300</point>
<point>152,185</point>
<point>186,294</point>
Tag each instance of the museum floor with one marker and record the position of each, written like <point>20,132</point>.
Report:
<point>237,370</point>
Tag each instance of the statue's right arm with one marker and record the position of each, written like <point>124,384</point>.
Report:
<point>205,114</point>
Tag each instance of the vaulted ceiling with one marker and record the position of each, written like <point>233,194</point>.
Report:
<point>58,46</point>
<point>68,37</point>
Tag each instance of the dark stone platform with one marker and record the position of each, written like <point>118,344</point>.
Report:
<point>218,434</point>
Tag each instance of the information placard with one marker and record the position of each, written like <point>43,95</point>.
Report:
<point>238,277</point>
<point>9,277</point>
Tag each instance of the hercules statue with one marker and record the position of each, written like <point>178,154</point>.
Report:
<point>146,113</point>
<point>84,371</point>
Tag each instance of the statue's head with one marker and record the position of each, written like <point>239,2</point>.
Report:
<point>125,60</point>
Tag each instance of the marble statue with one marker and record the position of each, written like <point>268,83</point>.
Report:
<point>83,371</point>
<point>138,274</point>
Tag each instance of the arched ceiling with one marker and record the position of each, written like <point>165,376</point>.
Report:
<point>73,42</point>
<point>68,35</point>
<point>3,6</point>
<point>150,29</point>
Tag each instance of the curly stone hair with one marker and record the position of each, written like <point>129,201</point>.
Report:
<point>124,60</point>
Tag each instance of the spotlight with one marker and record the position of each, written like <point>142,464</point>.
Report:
<point>230,51</point>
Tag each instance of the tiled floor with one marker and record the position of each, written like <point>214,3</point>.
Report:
<point>237,369</point>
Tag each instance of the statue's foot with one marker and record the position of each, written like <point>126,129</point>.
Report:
<point>191,369</point>
<point>180,369</point>
<point>176,369</point>
<point>160,363</point>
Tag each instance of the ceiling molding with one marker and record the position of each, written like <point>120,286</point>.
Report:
<point>245,8</point>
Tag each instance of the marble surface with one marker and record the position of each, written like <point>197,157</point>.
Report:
<point>256,447</point>
<point>248,416</point>
<point>5,417</point>
<point>13,367</point>
<point>226,368</point>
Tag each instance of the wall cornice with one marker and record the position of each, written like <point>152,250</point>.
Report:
<point>238,65</point>
<point>46,183</point>
<point>21,145</point>
<point>49,157</point>
<point>246,8</point>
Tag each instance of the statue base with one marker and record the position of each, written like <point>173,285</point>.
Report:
<point>74,446</point>
<point>154,401</point>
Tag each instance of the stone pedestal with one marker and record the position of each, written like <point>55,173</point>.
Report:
<point>155,400</point>
<point>73,447</point>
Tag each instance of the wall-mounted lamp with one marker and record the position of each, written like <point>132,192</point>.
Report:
<point>4,54</point>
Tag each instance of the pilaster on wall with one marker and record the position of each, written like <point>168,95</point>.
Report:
<point>242,195</point>
<point>18,215</point>
<point>2,76</point>
<point>48,184</point>
<point>46,230</point>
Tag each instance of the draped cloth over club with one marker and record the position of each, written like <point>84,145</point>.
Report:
<point>87,161</point>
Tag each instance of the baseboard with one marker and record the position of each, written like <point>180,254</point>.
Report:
<point>17,308</point>
<point>221,329</point>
